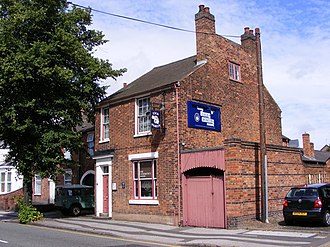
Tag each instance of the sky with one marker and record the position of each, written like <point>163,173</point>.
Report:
<point>295,44</point>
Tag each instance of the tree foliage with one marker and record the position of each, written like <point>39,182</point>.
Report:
<point>48,78</point>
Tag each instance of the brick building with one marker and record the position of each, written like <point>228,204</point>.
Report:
<point>180,145</point>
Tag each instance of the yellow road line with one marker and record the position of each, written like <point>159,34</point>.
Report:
<point>101,236</point>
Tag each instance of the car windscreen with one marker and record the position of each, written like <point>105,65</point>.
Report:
<point>299,192</point>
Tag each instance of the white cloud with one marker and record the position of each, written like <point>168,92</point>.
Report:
<point>295,44</point>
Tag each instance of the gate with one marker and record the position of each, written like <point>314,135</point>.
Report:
<point>203,187</point>
<point>204,202</point>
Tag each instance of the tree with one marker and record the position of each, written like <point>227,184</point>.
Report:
<point>48,78</point>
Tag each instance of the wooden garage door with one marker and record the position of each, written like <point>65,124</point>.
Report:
<point>204,201</point>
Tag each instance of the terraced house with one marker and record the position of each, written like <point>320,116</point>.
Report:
<point>181,144</point>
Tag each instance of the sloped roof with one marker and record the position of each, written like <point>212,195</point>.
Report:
<point>325,148</point>
<point>320,157</point>
<point>157,78</point>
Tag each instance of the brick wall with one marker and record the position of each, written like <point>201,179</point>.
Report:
<point>243,182</point>
<point>122,120</point>
<point>9,201</point>
<point>43,198</point>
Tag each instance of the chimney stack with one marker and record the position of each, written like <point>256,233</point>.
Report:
<point>308,147</point>
<point>205,29</point>
<point>204,20</point>
<point>248,40</point>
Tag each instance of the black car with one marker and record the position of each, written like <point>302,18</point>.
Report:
<point>309,202</point>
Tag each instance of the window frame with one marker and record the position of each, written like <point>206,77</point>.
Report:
<point>138,116</point>
<point>37,184</point>
<point>2,182</point>
<point>90,141</point>
<point>137,180</point>
<point>105,124</point>
<point>234,71</point>
<point>8,181</point>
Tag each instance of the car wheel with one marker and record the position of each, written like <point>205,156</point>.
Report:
<point>326,218</point>
<point>75,210</point>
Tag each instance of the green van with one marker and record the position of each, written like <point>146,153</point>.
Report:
<point>74,198</point>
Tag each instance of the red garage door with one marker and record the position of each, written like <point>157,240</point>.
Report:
<point>203,201</point>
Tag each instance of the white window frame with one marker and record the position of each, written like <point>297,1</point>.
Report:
<point>8,181</point>
<point>37,185</point>
<point>234,71</point>
<point>3,182</point>
<point>67,177</point>
<point>105,124</point>
<point>140,113</point>
<point>137,180</point>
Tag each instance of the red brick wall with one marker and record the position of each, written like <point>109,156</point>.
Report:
<point>121,139</point>
<point>43,198</point>
<point>243,182</point>
<point>9,201</point>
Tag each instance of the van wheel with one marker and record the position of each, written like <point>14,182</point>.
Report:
<point>75,209</point>
<point>326,218</point>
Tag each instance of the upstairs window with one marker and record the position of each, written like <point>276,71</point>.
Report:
<point>90,144</point>
<point>143,123</point>
<point>234,72</point>
<point>104,135</point>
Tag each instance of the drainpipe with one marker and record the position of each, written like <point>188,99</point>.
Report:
<point>263,152</point>
<point>177,85</point>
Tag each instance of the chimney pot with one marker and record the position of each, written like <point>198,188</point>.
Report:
<point>251,32</point>
<point>257,30</point>
<point>201,8</point>
<point>207,9</point>
<point>246,30</point>
<point>125,84</point>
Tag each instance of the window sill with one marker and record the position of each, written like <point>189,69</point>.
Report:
<point>143,134</point>
<point>104,141</point>
<point>143,202</point>
<point>233,80</point>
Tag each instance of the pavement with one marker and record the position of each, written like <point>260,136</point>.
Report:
<point>255,234</point>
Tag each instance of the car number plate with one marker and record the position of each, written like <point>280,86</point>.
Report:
<point>300,213</point>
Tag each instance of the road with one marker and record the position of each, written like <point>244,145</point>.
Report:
<point>18,235</point>
<point>88,231</point>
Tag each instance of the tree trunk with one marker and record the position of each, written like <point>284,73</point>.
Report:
<point>27,185</point>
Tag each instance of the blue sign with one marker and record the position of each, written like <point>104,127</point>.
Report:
<point>155,119</point>
<point>202,116</point>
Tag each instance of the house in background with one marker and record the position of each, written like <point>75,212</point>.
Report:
<point>326,148</point>
<point>316,162</point>
<point>11,183</point>
<point>81,173</point>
